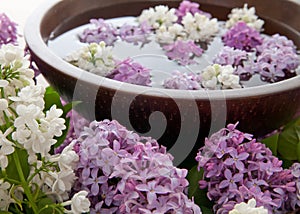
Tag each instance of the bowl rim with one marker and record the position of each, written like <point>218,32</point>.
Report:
<point>38,46</point>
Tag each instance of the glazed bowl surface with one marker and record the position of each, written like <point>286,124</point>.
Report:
<point>179,119</point>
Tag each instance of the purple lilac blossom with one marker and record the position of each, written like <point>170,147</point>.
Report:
<point>131,72</point>
<point>189,7</point>
<point>102,31</point>
<point>8,30</point>
<point>135,34</point>
<point>183,81</point>
<point>242,37</point>
<point>230,56</point>
<point>277,58</point>
<point>237,168</point>
<point>183,51</point>
<point>126,173</point>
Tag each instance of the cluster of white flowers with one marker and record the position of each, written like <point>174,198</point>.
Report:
<point>26,124</point>
<point>246,15</point>
<point>199,27</point>
<point>158,16</point>
<point>249,208</point>
<point>95,58</point>
<point>223,76</point>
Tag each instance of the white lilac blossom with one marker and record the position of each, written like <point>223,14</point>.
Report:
<point>167,35</point>
<point>126,173</point>
<point>248,208</point>
<point>200,28</point>
<point>246,15</point>
<point>28,133</point>
<point>217,77</point>
<point>95,58</point>
<point>79,203</point>
<point>158,16</point>
<point>237,169</point>
<point>183,81</point>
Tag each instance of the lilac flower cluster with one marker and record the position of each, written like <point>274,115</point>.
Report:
<point>230,56</point>
<point>102,31</point>
<point>189,7</point>
<point>242,37</point>
<point>135,34</point>
<point>183,51</point>
<point>277,58</point>
<point>8,30</point>
<point>131,72</point>
<point>105,31</point>
<point>183,81</point>
<point>237,168</point>
<point>126,173</point>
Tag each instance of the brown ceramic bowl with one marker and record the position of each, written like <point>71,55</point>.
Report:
<point>179,119</point>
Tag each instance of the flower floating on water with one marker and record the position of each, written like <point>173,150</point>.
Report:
<point>183,81</point>
<point>95,58</point>
<point>101,32</point>
<point>131,72</point>
<point>183,51</point>
<point>217,76</point>
<point>158,16</point>
<point>246,15</point>
<point>242,37</point>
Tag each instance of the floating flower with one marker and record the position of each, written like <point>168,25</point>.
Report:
<point>101,31</point>
<point>200,28</point>
<point>217,77</point>
<point>131,72</point>
<point>158,16</point>
<point>230,56</point>
<point>246,15</point>
<point>167,35</point>
<point>183,81</point>
<point>183,51</point>
<point>135,34</point>
<point>189,7</point>
<point>242,37</point>
<point>95,58</point>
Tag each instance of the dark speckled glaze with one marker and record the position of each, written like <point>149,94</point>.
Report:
<point>259,110</point>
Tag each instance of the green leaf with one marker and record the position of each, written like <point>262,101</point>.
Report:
<point>272,143</point>
<point>200,198</point>
<point>11,168</point>
<point>289,140</point>
<point>51,97</point>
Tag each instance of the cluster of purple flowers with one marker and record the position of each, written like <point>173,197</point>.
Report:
<point>277,58</point>
<point>274,59</point>
<point>237,168</point>
<point>105,31</point>
<point>242,37</point>
<point>183,81</point>
<point>126,173</point>
<point>8,30</point>
<point>131,72</point>
<point>183,51</point>
<point>189,7</point>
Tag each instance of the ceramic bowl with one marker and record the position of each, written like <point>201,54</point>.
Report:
<point>178,119</point>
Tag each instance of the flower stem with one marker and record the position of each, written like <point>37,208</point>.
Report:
<point>24,183</point>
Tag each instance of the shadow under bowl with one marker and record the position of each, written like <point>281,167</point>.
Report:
<point>179,119</point>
